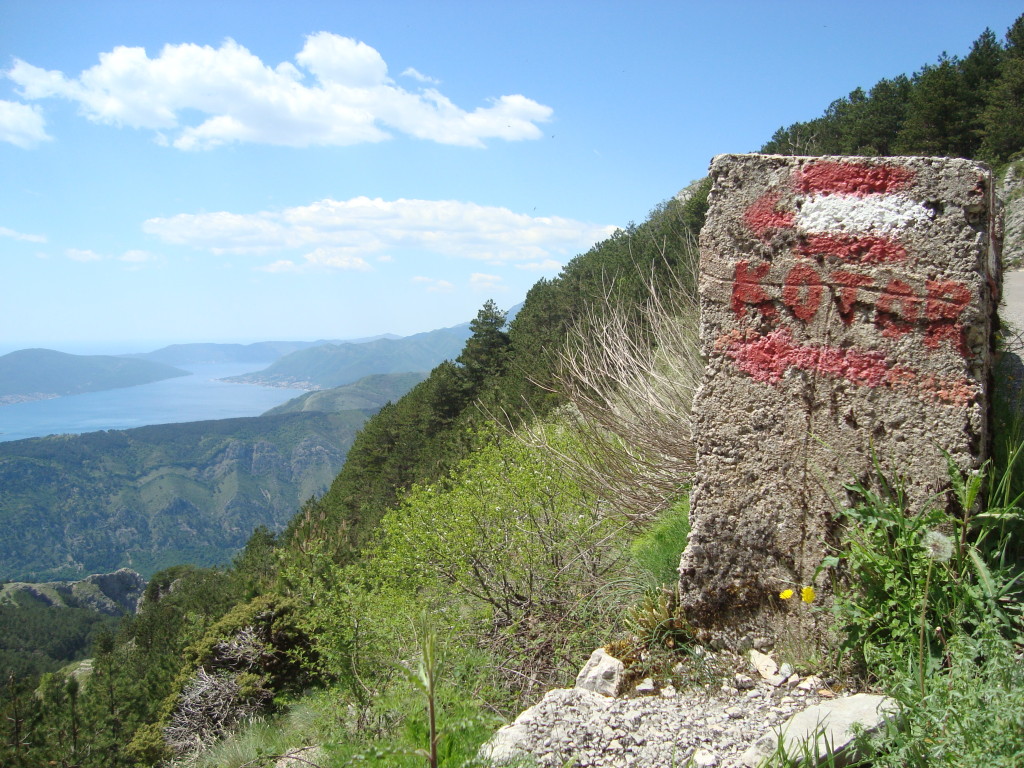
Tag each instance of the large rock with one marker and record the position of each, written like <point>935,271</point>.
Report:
<point>113,593</point>
<point>601,674</point>
<point>825,733</point>
<point>846,311</point>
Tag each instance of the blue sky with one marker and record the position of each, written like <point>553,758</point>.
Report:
<point>185,171</point>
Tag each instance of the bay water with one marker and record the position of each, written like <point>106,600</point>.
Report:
<point>197,397</point>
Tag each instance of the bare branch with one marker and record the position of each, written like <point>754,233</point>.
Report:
<point>630,377</point>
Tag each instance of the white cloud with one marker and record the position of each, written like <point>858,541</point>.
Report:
<point>433,285</point>
<point>5,232</point>
<point>78,254</point>
<point>283,265</point>
<point>134,259</point>
<point>22,124</point>
<point>479,281</point>
<point>548,265</point>
<point>339,94</point>
<point>340,230</point>
<point>137,257</point>
<point>416,75</point>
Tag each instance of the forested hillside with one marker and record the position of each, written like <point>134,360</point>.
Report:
<point>155,496</point>
<point>957,107</point>
<point>333,365</point>
<point>503,373</point>
<point>526,502</point>
<point>150,497</point>
<point>368,393</point>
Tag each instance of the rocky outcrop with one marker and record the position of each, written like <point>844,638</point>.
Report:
<point>602,674</point>
<point>112,594</point>
<point>825,732</point>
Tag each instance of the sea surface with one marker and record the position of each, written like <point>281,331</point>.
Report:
<point>187,398</point>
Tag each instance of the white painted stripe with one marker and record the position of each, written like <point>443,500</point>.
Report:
<point>868,215</point>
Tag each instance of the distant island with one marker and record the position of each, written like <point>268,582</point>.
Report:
<point>42,374</point>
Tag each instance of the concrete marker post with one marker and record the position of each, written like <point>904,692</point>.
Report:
<point>847,307</point>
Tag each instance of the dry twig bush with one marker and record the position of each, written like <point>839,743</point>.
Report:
<point>630,377</point>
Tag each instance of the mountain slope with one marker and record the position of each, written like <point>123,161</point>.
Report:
<point>259,352</point>
<point>332,365</point>
<point>149,497</point>
<point>368,392</point>
<point>35,374</point>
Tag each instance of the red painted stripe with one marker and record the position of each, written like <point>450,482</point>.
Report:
<point>766,358</point>
<point>852,178</point>
<point>867,249</point>
<point>762,216</point>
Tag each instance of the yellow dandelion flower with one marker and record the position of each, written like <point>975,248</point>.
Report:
<point>785,594</point>
<point>807,594</point>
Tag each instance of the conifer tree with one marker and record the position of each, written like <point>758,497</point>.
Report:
<point>486,351</point>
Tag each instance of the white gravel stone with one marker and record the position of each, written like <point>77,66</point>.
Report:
<point>650,731</point>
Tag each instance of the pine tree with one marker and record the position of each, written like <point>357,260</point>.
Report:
<point>1004,112</point>
<point>486,351</point>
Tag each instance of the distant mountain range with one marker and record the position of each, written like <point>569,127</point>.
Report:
<point>156,496</point>
<point>332,365</point>
<point>259,352</point>
<point>38,374</point>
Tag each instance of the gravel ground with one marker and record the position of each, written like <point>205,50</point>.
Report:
<point>709,728</point>
<point>1009,365</point>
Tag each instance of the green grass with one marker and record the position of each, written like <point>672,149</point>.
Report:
<point>970,714</point>
<point>656,551</point>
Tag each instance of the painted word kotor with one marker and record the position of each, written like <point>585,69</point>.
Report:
<point>846,310</point>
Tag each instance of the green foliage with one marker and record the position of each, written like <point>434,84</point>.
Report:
<point>971,714</point>
<point>150,497</point>
<point>917,579</point>
<point>958,107</point>
<point>255,567</point>
<point>37,638</point>
<point>106,717</point>
<point>506,498</point>
<point>486,352</point>
<point>502,552</point>
<point>656,551</point>
<point>657,622</point>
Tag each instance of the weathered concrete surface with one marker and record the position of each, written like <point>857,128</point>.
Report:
<point>846,307</point>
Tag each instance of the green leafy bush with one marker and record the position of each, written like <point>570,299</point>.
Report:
<point>919,578</point>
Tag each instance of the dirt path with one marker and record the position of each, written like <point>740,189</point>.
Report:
<point>1012,309</point>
